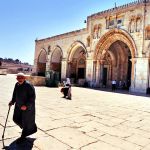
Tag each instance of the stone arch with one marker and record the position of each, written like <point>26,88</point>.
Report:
<point>112,58</point>
<point>105,45</point>
<point>56,49</point>
<point>76,62</point>
<point>74,47</point>
<point>110,37</point>
<point>55,61</point>
<point>41,63</point>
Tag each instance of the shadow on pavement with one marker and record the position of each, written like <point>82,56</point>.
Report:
<point>26,145</point>
<point>120,91</point>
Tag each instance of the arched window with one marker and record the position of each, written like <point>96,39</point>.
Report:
<point>138,25</point>
<point>132,26</point>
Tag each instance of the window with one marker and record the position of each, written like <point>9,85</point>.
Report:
<point>81,62</point>
<point>119,21</point>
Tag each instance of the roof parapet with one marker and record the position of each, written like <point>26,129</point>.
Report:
<point>63,35</point>
<point>121,7</point>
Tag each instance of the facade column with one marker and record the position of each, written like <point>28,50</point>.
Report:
<point>139,80</point>
<point>35,67</point>
<point>101,72</point>
<point>48,63</point>
<point>94,71</point>
<point>68,69</point>
<point>89,70</point>
<point>63,68</point>
<point>98,74</point>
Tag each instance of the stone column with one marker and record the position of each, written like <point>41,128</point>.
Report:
<point>68,69</point>
<point>94,70</point>
<point>101,72</point>
<point>89,70</point>
<point>63,68</point>
<point>133,60</point>
<point>98,74</point>
<point>141,75</point>
<point>35,67</point>
<point>48,63</point>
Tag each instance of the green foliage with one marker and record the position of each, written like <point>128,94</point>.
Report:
<point>52,78</point>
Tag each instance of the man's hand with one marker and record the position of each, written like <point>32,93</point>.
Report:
<point>10,104</point>
<point>23,107</point>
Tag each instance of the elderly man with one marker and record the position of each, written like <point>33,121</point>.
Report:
<point>24,111</point>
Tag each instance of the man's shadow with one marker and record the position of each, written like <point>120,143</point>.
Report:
<point>25,145</point>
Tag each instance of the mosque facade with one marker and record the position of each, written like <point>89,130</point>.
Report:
<point>115,45</point>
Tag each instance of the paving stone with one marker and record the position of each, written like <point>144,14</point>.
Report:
<point>100,146</point>
<point>49,143</point>
<point>139,140</point>
<point>147,147</point>
<point>70,137</point>
<point>48,124</point>
<point>95,134</point>
<point>136,131</point>
<point>119,142</point>
<point>81,119</point>
<point>10,132</point>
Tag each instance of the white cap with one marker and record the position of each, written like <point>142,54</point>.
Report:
<point>20,74</point>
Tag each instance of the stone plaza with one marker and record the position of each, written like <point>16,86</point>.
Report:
<point>92,120</point>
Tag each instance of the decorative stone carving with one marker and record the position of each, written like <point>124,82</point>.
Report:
<point>132,26</point>
<point>88,41</point>
<point>138,24</point>
<point>114,21</point>
<point>95,32</point>
<point>135,23</point>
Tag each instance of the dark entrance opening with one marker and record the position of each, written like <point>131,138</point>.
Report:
<point>81,74</point>
<point>129,73</point>
<point>104,77</point>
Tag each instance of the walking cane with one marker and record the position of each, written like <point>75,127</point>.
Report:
<point>5,127</point>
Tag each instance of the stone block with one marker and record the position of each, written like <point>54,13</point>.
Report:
<point>36,80</point>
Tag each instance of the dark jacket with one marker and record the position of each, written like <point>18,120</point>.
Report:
<point>24,94</point>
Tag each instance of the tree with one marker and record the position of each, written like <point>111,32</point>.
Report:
<point>17,61</point>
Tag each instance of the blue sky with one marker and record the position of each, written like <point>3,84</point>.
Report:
<point>22,21</point>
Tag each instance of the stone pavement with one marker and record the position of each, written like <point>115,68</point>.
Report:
<point>92,120</point>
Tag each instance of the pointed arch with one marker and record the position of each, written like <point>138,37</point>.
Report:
<point>74,46</point>
<point>55,61</point>
<point>57,49</point>
<point>41,63</point>
<point>110,37</point>
<point>42,56</point>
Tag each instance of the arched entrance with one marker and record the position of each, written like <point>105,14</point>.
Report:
<point>115,53</point>
<point>41,64</point>
<point>55,63</point>
<point>76,69</point>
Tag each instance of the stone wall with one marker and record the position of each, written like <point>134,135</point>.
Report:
<point>36,80</point>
